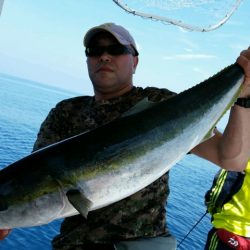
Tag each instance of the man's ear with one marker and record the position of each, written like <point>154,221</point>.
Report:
<point>136,60</point>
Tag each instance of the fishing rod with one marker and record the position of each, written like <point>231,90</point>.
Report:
<point>196,224</point>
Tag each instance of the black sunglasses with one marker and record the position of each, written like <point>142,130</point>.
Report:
<point>114,50</point>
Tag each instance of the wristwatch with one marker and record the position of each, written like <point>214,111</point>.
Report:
<point>243,102</point>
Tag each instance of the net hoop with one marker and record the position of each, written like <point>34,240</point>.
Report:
<point>179,23</point>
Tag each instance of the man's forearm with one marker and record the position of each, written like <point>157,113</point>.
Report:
<point>235,142</point>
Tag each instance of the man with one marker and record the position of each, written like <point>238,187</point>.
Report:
<point>228,203</point>
<point>139,221</point>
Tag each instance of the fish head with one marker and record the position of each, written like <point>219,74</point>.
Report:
<point>23,204</point>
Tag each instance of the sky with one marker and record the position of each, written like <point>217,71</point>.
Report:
<point>42,41</point>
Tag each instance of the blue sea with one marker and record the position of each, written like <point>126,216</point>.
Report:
<point>24,105</point>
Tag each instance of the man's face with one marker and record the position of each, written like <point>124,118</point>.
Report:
<point>110,73</point>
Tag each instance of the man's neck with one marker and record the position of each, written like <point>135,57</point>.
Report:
<point>112,94</point>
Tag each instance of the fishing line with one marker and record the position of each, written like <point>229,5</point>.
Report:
<point>195,225</point>
<point>193,15</point>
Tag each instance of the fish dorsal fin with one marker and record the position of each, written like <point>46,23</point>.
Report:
<point>79,201</point>
<point>139,107</point>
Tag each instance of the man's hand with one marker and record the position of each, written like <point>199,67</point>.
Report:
<point>244,61</point>
<point>4,233</point>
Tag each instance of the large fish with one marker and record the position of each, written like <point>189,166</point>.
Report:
<point>107,164</point>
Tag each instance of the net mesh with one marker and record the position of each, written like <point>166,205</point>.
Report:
<point>198,15</point>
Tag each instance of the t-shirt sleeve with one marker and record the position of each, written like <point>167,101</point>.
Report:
<point>49,132</point>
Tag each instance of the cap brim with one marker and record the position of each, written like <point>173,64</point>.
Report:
<point>91,33</point>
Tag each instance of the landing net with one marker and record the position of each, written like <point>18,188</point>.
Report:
<point>194,15</point>
<point>1,6</point>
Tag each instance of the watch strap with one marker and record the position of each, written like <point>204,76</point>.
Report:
<point>243,102</point>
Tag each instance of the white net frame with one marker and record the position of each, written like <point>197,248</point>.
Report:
<point>1,6</point>
<point>171,5</point>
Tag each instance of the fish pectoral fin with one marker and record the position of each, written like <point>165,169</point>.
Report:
<point>79,201</point>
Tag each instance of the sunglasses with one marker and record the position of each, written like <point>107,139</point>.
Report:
<point>114,50</point>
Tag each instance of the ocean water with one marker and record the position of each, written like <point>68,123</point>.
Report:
<point>25,104</point>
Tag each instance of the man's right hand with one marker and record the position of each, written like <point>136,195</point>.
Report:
<point>4,233</point>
